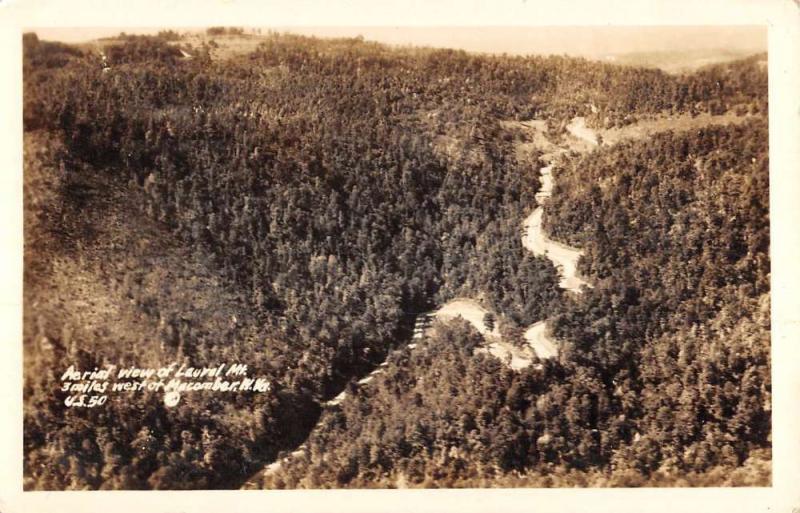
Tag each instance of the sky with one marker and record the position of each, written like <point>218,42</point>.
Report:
<point>584,41</point>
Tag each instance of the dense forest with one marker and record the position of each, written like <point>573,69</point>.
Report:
<point>673,310</point>
<point>296,207</point>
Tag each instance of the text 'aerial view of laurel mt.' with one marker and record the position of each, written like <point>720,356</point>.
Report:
<point>265,258</point>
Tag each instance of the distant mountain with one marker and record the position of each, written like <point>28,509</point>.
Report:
<point>680,61</point>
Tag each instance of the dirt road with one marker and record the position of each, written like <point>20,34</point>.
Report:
<point>563,257</point>
<point>470,311</point>
<point>537,338</point>
<point>577,127</point>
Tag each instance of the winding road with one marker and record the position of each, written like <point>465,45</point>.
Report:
<point>565,259</point>
<point>534,239</point>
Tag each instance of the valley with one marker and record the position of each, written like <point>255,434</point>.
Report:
<point>455,270</point>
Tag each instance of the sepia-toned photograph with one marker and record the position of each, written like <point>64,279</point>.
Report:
<point>436,256</point>
<point>396,257</point>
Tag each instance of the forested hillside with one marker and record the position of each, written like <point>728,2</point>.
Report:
<point>683,282</point>
<point>295,208</point>
<point>680,305</point>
